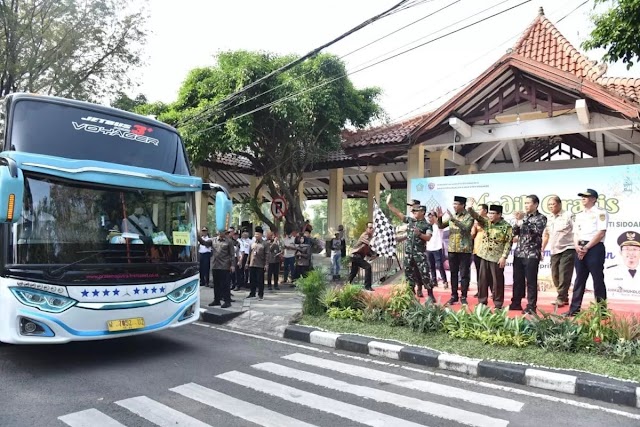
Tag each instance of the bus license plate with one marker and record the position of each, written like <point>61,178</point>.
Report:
<point>125,324</point>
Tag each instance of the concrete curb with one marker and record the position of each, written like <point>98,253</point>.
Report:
<point>590,386</point>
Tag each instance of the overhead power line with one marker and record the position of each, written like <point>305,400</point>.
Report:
<point>285,98</point>
<point>301,59</point>
<point>230,106</point>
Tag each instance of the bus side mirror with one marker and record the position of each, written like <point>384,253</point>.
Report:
<point>223,205</point>
<point>223,211</point>
<point>11,190</point>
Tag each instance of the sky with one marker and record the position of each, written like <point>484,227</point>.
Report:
<point>189,33</point>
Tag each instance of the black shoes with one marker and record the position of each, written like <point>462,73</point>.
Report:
<point>463,300</point>
<point>226,305</point>
<point>214,303</point>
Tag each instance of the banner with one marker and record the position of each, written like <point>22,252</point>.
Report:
<point>619,193</point>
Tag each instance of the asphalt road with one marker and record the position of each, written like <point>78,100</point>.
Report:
<point>201,375</point>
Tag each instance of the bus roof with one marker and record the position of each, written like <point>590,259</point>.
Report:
<point>88,105</point>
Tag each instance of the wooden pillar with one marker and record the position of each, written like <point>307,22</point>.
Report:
<point>467,169</point>
<point>436,163</point>
<point>334,198</point>
<point>202,201</point>
<point>374,191</point>
<point>415,163</point>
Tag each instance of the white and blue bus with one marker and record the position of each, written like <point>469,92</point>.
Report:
<point>97,223</point>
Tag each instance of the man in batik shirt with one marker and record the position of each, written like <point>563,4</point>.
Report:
<point>460,246</point>
<point>529,229</point>
<point>493,250</point>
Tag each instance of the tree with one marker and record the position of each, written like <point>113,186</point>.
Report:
<point>308,106</point>
<point>617,31</point>
<point>123,102</point>
<point>71,48</point>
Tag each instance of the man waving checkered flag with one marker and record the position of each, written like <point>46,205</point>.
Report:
<point>383,242</point>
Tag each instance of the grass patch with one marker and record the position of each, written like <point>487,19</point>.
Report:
<point>472,348</point>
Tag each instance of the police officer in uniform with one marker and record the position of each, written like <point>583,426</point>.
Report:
<point>416,265</point>
<point>625,275</point>
<point>589,231</point>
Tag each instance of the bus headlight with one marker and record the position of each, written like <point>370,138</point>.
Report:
<point>44,301</point>
<point>183,292</point>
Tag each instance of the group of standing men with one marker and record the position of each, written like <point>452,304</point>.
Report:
<point>232,262</point>
<point>574,241</point>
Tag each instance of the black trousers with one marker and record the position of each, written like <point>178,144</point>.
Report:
<point>525,270</point>
<point>221,291</point>
<point>358,262</point>
<point>459,263</point>
<point>244,270</point>
<point>256,278</point>
<point>205,267</point>
<point>272,272</point>
<point>592,263</point>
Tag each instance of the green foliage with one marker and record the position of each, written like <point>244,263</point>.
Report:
<point>312,287</point>
<point>425,318</point>
<point>329,297</point>
<point>556,333</point>
<point>401,299</point>
<point>345,313</point>
<point>354,212</point>
<point>71,48</point>
<point>627,327</point>
<point>374,305</point>
<point>616,30</point>
<point>596,323</point>
<point>308,108</point>
<point>350,296</point>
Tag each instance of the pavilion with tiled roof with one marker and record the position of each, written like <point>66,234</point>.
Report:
<point>542,105</point>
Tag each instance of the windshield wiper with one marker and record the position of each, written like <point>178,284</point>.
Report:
<point>71,264</point>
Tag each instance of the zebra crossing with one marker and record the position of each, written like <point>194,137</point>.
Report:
<point>311,391</point>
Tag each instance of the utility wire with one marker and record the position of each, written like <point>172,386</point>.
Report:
<point>577,7</point>
<point>361,69</point>
<point>228,107</point>
<point>297,61</point>
<point>381,56</point>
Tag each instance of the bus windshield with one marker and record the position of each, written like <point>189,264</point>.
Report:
<point>54,129</point>
<point>68,226</point>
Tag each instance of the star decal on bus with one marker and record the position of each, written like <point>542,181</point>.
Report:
<point>96,292</point>
<point>85,293</point>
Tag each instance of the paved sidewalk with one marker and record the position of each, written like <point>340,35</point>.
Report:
<point>270,316</point>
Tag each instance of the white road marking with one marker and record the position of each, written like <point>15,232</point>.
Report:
<point>492,386</point>
<point>89,418</point>
<point>159,414</point>
<point>239,408</point>
<point>314,401</point>
<point>430,408</point>
<point>406,382</point>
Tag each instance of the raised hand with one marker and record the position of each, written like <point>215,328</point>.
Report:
<point>389,199</point>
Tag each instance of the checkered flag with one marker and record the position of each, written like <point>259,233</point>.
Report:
<point>383,242</point>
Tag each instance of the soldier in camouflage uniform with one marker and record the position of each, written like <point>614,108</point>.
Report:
<point>416,265</point>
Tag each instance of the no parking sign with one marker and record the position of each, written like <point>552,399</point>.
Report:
<point>278,207</point>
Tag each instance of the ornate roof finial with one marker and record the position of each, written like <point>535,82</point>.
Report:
<point>541,11</point>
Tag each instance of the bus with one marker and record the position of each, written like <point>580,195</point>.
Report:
<point>97,223</point>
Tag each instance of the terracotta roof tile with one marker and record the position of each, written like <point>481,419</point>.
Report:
<point>627,87</point>
<point>382,135</point>
<point>543,42</point>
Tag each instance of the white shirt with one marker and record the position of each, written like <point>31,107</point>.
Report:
<point>435,242</point>
<point>143,222</point>
<point>589,222</point>
<point>202,248</point>
<point>245,246</point>
<point>289,241</point>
